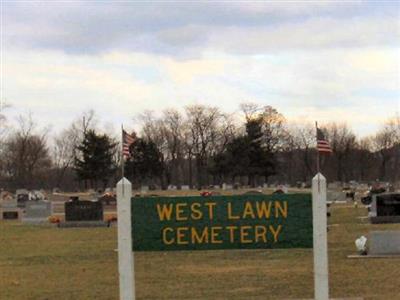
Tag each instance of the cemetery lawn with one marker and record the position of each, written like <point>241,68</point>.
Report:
<point>51,263</point>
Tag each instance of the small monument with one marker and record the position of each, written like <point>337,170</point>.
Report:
<point>83,214</point>
<point>8,207</point>
<point>37,212</point>
<point>385,208</point>
<point>384,242</point>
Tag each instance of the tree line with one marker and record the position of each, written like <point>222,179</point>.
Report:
<point>198,146</point>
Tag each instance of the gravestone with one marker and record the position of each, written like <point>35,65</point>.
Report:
<point>22,196</point>
<point>384,242</point>
<point>185,187</point>
<point>9,209</point>
<point>336,196</point>
<point>227,186</point>
<point>37,212</point>
<point>144,189</point>
<point>7,200</point>
<point>83,211</point>
<point>172,187</point>
<point>385,208</point>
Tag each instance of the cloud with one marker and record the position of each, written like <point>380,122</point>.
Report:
<point>326,60</point>
<point>186,30</point>
<point>359,86</point>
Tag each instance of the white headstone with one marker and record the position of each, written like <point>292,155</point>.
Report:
<point>384,242</point>
<point>37,212</point>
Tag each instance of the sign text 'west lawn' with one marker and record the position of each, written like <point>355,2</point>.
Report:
<point>222,222</point>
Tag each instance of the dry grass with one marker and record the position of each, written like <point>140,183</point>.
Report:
<point>51,263</point>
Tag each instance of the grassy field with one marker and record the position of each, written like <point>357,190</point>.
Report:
<point>51,263</point>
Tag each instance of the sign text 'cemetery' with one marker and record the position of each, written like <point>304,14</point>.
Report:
<point>222,222</point>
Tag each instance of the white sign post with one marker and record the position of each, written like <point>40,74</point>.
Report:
<point>321,281</point>
<point>125,253</point>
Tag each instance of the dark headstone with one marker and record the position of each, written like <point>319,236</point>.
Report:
<point>22,199</point>
<point>83,211</point>
<point>385,208</point>
<point>350,194</point>
<point>388,205</point>
<point>10,215</point>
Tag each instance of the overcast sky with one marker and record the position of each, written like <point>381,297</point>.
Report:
<point>325,61</point>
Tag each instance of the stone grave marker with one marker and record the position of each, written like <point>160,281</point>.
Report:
<point>227,186</point>
<point>7,201</point>
<point>144,189</point>
<point>385,208</point>
<point>22,196</point>
<point>83,211</point>
<point>185,187</point>
<point>37,212</point>
<point>8,208</point>
<point>384,242</point>
<point>336,196</point>
<point>83,214</point>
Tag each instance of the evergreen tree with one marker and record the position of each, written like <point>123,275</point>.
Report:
<point>94,159</point>
<point>246,155</point>
<point>145,162</point>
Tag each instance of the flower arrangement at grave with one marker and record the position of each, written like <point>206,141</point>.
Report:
<point>206,194</point>
<point>54,220</point>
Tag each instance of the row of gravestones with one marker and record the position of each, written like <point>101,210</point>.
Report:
<point>36,212</point>
<point>225,186</point>
<point>33,211</point>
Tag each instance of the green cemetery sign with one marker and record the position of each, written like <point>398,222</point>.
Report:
<point>222,222</point>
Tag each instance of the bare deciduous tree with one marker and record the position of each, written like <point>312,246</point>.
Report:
<point>27,157</point>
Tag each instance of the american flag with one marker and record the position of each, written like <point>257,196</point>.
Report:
<point>322,144</point>
<point>127,141</point>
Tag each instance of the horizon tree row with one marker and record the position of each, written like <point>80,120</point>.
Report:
<point>199,147</point>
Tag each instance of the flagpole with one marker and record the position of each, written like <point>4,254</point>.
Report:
<point>318,171</point>
<point>316,130</point>
<point>122,152</point>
